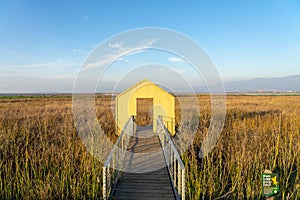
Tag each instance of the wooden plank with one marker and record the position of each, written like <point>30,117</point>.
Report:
<point>147,185</point>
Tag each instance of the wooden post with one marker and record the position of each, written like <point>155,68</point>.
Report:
<point>122,144</point>
<point>117,157</point>
<point>171,160</point>
<point>113,164</point>
<point>163,141</point>
<point>183,184</point>
<point>175,171</point>
<point>104,183</point>
<point>171,155</point>
<point>132,118</point>
<point>169,152</point>
<point>179,180</point>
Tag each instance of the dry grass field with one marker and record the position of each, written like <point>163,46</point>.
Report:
<point>261,132</point>
<point>42,157</point>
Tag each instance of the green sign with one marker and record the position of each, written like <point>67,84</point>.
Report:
<point>270,184</point>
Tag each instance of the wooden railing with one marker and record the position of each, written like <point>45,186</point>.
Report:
<point>115,159</point>
<point>174,163</point>
<point>168,122</point>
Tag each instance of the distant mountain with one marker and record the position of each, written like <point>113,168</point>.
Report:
<point>279,84</point>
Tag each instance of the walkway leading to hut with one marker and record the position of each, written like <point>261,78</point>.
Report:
<point>145,154</point>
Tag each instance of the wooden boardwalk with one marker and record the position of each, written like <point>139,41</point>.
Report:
<point>146,175</point>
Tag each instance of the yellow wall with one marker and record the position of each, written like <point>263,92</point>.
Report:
<point>163,104</point>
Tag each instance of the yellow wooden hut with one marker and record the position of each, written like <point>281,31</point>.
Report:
<point>163,104</point>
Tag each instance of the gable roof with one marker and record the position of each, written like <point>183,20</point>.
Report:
<point>139,83</point>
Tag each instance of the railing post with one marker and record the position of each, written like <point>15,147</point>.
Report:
<point>171,159</point>
<point>179,179</point>
<point>104,183</point>
<point>170,152</point>
<point>183,184</point>
<point>173,168</point>
<point>113,164</point>
<point>167,150</point>
<point>163,141</point>
<point>164,136</point>
<point>173,126</point>
<point>117,156</point>
<point>132,124</point>
<point>167,124</point>
<point>108,178</point>
<point>122,145</point>
<point>175,171</point>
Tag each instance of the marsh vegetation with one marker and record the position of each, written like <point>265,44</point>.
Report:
<point>42,157</point>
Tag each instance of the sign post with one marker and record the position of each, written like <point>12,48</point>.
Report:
<point>270,184</point>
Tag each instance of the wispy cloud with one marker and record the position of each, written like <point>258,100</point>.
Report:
<point>175,59</point>
<point>86,17</point>
<point>170,71</point>
<point>117,45</point>
<point>80,51</point>
<point>117,49</point>
<point>77,50</point>
<point>58,63</point>
<point>123,59</point>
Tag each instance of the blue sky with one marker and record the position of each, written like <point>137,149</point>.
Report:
<point>44,43</point>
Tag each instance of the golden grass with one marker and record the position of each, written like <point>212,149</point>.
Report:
<point>42,157</point>
<point>261,132</point>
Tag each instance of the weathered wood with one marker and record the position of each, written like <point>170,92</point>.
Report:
<point>147,156</point>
